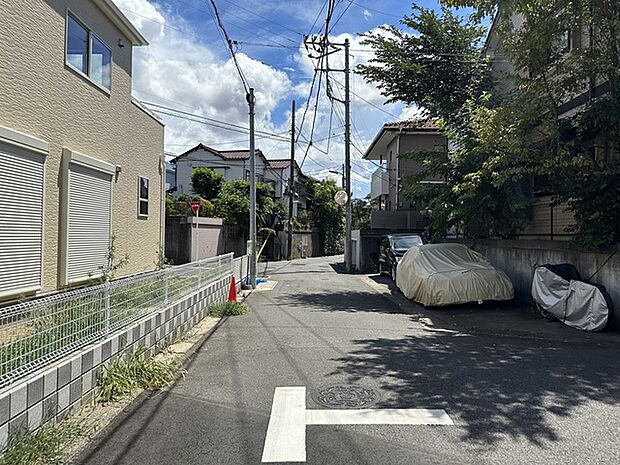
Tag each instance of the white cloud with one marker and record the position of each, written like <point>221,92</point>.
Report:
<point>178,69</point>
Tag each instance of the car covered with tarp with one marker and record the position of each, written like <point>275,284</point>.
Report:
<point>560,293</point>
<point>448,274</point>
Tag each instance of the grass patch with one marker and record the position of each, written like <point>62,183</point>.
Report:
<point>228,309</point>
<point>136,370</point>
<point>45,447</point>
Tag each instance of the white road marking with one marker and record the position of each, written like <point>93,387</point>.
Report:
<point>378,417</point>
<point>286,433</point>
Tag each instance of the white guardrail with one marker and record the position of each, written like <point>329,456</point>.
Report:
<point>36,333</point>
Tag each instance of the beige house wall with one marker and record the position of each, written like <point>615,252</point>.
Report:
<point>403,167</point>
<point>44,98</point>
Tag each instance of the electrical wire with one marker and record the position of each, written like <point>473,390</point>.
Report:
<point>264,17</point>
<point>315,112</point>
<point>230,47</point>
<point>375,10</point>
<point>174,112</point>
<point>341,15</point>
<point>317,17</point>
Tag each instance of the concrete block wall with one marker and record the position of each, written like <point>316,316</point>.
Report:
<point>519,258</point>
<point>61,389</point>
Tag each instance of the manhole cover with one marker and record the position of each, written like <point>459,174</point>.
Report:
<point>345,396</point>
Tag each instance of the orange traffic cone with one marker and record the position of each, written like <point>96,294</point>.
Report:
<point>232,293</point>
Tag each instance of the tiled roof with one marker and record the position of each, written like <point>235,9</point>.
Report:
<point>237,154</point>
<point>416,123</point>
<point>279,164</point>
<point>224,154</point>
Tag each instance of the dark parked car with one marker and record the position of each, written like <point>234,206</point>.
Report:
<point>392,249</point>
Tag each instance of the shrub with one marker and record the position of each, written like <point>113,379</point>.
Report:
<point>182,207</point>
<point>228,309</point>
<point>207,182</point>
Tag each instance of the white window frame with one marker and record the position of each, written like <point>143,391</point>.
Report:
<point>91,34</point>
<point>69,157</point>
<point>24,141</point>
<point>142,199</point>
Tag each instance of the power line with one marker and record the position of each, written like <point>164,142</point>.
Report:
<point>318,16</point>
<point>167,26</point>
<point>375,10</point>
<point>264,17</point>
<point>210,121</point>
<point>230,47</point>
<point>255,33</point>
<point>315,111</point>
<point>307,105</point>
<point>341,15</point>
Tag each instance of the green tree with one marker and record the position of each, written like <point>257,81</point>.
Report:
<point>361,210</point>
<point>207,183</point>
<point>328,216</point>
<point>435,63</point>
<point>575,155</point>
<point>233,205</point>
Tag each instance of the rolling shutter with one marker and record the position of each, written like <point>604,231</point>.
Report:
<point>21,220</point>
<point>89,219</point>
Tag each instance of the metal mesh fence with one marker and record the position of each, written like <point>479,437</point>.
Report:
<point>38,332</point>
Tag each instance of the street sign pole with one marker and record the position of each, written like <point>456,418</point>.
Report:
<point>195,205</point>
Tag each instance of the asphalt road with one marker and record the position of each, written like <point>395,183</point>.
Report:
<point>512,400</point>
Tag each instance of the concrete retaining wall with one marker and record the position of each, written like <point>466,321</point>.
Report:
<point>519,258</point>
<point>305,244</point>
<point>64,387</point>
<point>190,239</point>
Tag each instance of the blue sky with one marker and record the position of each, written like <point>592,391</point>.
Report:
<point>187,66</point>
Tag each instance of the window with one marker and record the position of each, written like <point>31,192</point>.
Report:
<point>143,197</point>
<point>88,218</point>
<point>77,45</point>
<point>87,54</point>
<point>21,219</point>
<point>565,44</point>
<point>101,67</point>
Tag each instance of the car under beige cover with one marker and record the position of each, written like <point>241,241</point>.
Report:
<point>448,274</point>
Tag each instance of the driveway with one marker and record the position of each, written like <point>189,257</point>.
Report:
<point>512,400</point>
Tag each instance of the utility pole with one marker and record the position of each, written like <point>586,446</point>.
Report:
<point>326,48</point>
<point>251,102</point>
<point>347,157</point>
<point>291,183</point>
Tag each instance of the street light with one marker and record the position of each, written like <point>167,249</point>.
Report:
<point>341,173</point>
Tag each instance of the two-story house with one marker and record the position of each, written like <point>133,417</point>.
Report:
<point>278,173</point>
<point>235,165</point>
<point>548,220</point>
<point>82,161</point>
<point>393,140</point>
<point>232,164</point>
